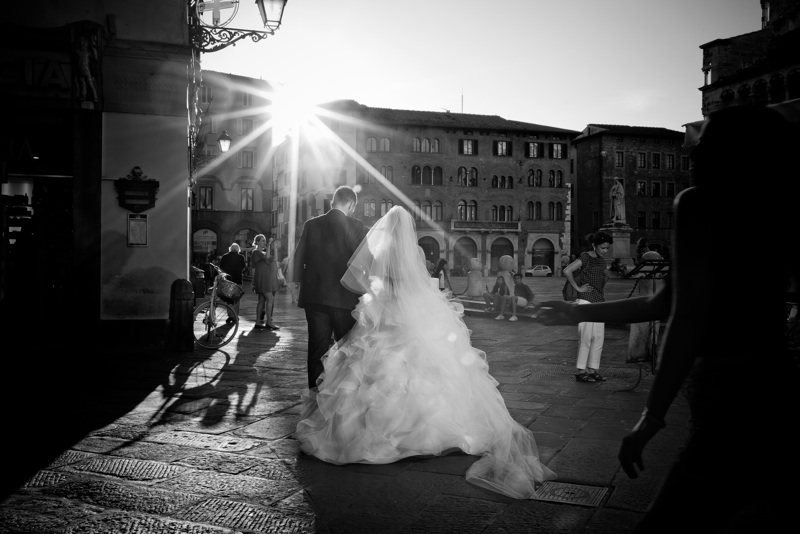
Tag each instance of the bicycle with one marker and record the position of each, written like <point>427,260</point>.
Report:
<point>215,322</point>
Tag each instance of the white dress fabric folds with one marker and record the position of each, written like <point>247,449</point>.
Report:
<point>407,382</point>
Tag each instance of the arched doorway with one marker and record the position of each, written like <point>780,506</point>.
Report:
<point>500,247</point>
<point>465,249</point>
<point>431,248</point>
<point>543,253</point>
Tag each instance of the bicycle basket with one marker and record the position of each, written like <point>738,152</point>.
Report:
<point>228,291</point>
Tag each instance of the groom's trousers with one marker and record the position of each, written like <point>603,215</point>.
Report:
<point>324,322</point>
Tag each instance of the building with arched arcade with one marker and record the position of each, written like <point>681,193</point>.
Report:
<point>478,186</point>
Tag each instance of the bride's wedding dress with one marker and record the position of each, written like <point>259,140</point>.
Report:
<point>407,382</point>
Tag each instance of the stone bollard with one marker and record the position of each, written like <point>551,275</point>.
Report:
<point>474,278</point>
<point>181,305</point>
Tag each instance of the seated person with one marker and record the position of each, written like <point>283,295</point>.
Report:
<point>494,297</point>
<point>520,297</point>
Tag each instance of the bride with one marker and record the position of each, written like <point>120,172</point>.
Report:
<point>407,382</point>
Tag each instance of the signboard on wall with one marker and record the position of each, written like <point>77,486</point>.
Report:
<point>204,241</point>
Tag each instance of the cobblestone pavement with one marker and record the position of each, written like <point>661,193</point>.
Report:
<point>201,442</point>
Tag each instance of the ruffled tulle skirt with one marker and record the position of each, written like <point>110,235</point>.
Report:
<point>400,386</point>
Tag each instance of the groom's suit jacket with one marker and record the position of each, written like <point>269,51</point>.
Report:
<point>321,257</point>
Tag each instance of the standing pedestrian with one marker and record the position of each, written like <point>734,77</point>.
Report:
<point>593,274</point>
<point>233,264</point>
<point>318,264</point>
<point>265,280</point>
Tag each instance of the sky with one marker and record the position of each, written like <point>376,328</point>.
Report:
<point>561,63</point>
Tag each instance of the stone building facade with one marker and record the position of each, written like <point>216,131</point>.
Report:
<point>232,196</point>
<point>479,186</point>
<point>760,67</point>
<point>653,167</point>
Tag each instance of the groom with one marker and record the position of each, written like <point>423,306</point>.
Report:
<point>319,262</point>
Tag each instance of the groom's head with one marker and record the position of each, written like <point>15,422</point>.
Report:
<point>345,199</point>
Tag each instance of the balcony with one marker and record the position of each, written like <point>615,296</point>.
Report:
<point>486,226</point>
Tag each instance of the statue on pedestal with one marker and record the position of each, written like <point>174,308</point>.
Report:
<point>617,195</point>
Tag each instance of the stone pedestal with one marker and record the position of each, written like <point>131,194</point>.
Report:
<point>621,248</point>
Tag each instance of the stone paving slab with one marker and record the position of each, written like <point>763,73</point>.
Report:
<point>203,442</point>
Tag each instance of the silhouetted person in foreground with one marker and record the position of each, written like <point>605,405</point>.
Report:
<point>725,337</point>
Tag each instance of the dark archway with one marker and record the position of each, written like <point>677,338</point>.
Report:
<point>431,248</point>
<point>465,249</point>
<point>543,253</point>
<point>500,247</point>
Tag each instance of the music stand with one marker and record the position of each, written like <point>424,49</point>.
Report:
<point>648,270</point>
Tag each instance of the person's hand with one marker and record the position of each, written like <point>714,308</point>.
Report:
<point>583,288</point>
<point>630,452</point>
<point>556,312</point>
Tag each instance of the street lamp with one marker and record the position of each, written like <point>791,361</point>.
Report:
<point>212,35</point>
<point>224,141</point>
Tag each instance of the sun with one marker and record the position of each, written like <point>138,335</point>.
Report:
<point>292,109</point>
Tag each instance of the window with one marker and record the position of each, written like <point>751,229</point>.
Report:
<point>386,205</point>
<point>246,99</point>
<point>427,209</point>
<point>655,161</point>
<point>473,177</point>
<point>435,146</point>
<point>509,214</point>
<point>533,150</point>
<point>495,182</point>
<point>427,176</point>
<point>494,213</point>
<point>656,219</point>
<point>551,210</point>
<point>438,211</point>
<point>247,159</point>
<point>641,160</point>
<point>472,211</point>
<point>426,145</point>
<point>386,145</point>
<point>530,211</point>
<point>559,179</point>
<point>558,151</point>
<point>641,188</point>
<point>206,94</point>
<point>438,176</point>
<point>417,210</point>
<point>462,176</point>
<point>537,211</point>
<point>538,181</point>
<point>416,146</point>
<point>641,220</point>
<point>552,180</point>
<point>206,201</point>
<point>684,163</point>
<point>416,175</point>
<point>372,144</point>
<point>369,208</point>
<point>247,199</point>
<point>559,211</point>
<point>502,148</point>
<point>462,210</point>
<point>530,177</point>
<point>387,172</point>
<point>620,159</point>
<point>670,189</point>
<point>245,126</point>
<point>468,147</point>
<point>656,189</point>
<point>670,162</point>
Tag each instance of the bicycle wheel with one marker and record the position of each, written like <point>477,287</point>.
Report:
<point>211,327</point>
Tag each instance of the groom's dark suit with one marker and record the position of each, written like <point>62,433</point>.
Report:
<point>319,262</point>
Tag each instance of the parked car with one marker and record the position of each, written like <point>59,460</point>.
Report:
<point>539,270</point>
